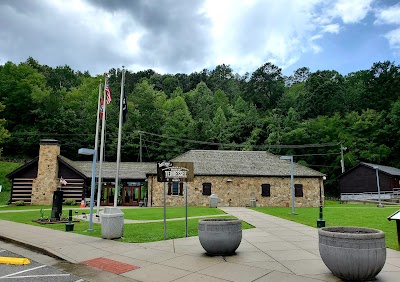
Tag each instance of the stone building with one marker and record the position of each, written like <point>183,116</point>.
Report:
<point>238,178</point>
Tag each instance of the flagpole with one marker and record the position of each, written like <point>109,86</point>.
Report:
<point>96,141</point>
<point>103,128</point>
<point>119,136</point>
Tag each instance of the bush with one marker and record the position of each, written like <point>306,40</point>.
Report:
<point>70,202</point>
<point>20,203</point>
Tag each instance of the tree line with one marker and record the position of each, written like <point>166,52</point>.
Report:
<point>169,114</point>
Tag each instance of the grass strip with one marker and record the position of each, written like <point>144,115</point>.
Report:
<point>360,215</point>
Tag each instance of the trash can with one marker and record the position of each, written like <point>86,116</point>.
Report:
<point>253,203</point>
<point>112,223</point>
<point>213,200</point>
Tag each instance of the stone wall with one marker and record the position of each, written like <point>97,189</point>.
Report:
<point>47,178</point>
<point>238,191</point>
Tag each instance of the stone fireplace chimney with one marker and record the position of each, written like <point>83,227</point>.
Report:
<point>47,177</point>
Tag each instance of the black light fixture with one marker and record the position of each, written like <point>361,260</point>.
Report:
<point>320,220</point>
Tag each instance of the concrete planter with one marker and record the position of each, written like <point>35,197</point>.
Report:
<point>220,236</point>
<point>352,253</point>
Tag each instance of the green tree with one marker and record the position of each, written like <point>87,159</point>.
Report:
<point>325,91</point>
<point>382,86</point>
<point>202,109</point>
<point>266,86</point>
<point>177,125</point>
<point>219,127</point>
<point>4,134</point>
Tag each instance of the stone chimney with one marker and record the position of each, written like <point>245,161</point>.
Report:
<point>47,177</point>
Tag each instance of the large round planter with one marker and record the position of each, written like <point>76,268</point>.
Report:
<point>220,236</point>
<point>352,253</point>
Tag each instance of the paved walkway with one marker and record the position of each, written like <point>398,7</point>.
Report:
<point>276,250</point>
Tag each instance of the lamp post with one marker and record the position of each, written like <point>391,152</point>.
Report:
<point>290,158</point>
<point>320,220</point>
<point>379,187</point>
<point>84,151</point>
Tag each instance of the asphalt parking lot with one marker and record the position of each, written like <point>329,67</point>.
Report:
<point>33,272</point>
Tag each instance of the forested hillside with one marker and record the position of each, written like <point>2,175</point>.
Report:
<point>211,109</point>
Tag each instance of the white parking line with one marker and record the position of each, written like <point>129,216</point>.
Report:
<point>80,280</point>
<point>12,274</point>
<point>43,275</point>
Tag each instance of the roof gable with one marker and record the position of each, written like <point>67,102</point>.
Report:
<point>22,168</point>
<point>382,168</point>
<point>242,163</point>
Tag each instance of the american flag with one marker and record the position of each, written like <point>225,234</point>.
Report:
<point>62,181</point>
<point>108,94</point>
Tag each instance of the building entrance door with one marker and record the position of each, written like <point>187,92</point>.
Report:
<point>108,195</point>
<point>131,195</point>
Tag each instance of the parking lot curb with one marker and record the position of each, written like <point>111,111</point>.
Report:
<point>16,261</point>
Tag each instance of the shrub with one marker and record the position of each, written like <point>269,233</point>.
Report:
<point>70,202</point>
<point>20,203</point>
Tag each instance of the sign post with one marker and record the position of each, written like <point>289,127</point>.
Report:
<point>396,216</point>
<point>176,171</point>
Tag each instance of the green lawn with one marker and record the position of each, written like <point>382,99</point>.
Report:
<point>363,215</point>
<point>6,168</point>
<point>133,233</point>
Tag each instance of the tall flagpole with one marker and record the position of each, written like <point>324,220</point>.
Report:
<point>103,128</point>
<point>96,141</point>
<point>119,136</point>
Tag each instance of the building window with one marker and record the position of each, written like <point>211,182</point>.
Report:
<point>298,190</point>
<point>207,189</point>
<point>175,188</point>
<point>266,190</point>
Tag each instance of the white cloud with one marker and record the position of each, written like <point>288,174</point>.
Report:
<point>331,28</point>
<point>351,11</point>
<point>389,15</point>
<point>275,31</point>
<point>394,38</point>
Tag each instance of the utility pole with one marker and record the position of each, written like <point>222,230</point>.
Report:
<point>341,153</point>
<point>140,152</point>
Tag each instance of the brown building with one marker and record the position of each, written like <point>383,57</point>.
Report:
<point>238,178</point>
<point>360,182</point>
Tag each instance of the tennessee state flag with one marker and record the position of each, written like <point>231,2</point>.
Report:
<point>101,107</point>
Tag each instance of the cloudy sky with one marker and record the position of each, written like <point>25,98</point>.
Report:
<point>172,36</point>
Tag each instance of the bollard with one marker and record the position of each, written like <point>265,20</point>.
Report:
<point>69,226</point>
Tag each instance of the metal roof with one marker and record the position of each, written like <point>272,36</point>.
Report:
<point>387,169</point>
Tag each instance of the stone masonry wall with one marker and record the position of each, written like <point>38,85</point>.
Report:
<point>240,190</point>
<point>47,179</point>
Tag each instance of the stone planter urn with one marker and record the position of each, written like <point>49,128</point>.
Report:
<point>352,253</point>
<point>220,236</point>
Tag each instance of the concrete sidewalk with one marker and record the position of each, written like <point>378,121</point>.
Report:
<point>276,250</point>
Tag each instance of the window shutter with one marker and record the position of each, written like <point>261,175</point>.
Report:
<point>266,190</point>
<point>169,188</point>
<point>207,189</point>
<point>298,190</point>
<point>181,188</point>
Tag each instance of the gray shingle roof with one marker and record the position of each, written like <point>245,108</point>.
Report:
<point>206,162</point>
<point>236,163</point>
<point>387,169</point>
<point>127,170</point>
